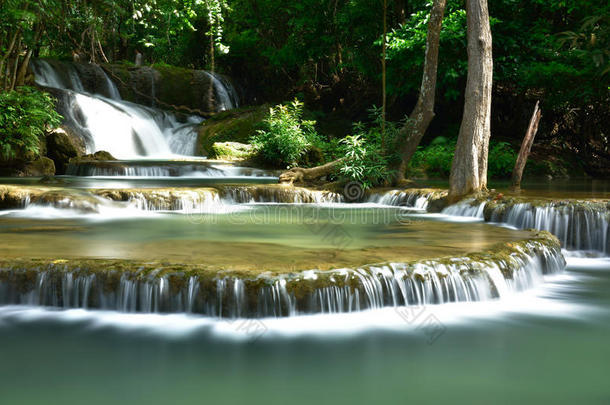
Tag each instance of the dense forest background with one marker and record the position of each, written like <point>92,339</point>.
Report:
<point>328,54</point>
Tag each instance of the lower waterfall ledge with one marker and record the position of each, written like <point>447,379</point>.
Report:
<point>168,198</point>
<point>132,286</point>
<point>579,224</point>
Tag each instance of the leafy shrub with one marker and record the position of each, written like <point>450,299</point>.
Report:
<point>367,158</point>
<point>25,115</point>
<point>287,137</point>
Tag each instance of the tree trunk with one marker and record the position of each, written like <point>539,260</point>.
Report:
<point>383,72</point>
<point>9,51</point>
<point>13,76</point>
<point>469,167</point>
<point>299,175</point>
<point>419,120</point>
<point>23,69</point>
<point>412,133</point>
<point>526,146</point>
<point>211,101</point>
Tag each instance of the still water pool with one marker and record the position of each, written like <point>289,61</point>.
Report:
<point>548,345</point>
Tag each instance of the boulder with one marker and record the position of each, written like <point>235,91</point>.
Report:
<point>61,147</point>
<point>100,155</point>
<point>42,166</point>
<point>236,125</point>
<point>231,151</point>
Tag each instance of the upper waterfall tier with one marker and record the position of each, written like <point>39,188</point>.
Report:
<point>90,101</point>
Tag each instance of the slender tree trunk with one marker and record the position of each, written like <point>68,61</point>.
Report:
<point>411,134</point>
<point>338,48</point>
<point>526,147</point>
<point>13,77</point>
<point>419,120</point>
<point>383,72</point>
<point>23,69</point>
<point>469,167</point>
<point>211,103</point>
<point>8,52</point>
<point>99,45</point>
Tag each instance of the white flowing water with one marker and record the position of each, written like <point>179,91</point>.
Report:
<point>372,287</point>
<point>578,225</point>
<point>192,168</point>
<point>129,131</point>
<point>126,130</point>
<point>465,209</point>
<point>402,198</point>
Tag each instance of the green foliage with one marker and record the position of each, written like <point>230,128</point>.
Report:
<point>407,45</point>
<point>25,115</point>
<point>435,160</point>
<point>287,136</point>
<point>501,160</point>
<point>367,158</point>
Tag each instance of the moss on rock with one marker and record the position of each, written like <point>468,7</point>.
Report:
<point>231,151</point>
<point>236,125</point>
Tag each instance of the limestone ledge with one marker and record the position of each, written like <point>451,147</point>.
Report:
<point>174,287</point>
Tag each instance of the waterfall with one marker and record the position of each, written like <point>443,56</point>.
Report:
<point>277,194</point>
<point>418,199</point>
<point>128,130</point>
<point>154,289</point>
<point>467,208</point>
<point>78,77</point>
<point>92,107</point>
<point>224,92</point>
<point>161,169</point>
<point>578,225</point>
<point>193,200</point>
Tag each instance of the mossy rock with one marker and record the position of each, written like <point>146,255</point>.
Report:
<point>231,151</point>
<point>170,85</point>
<point>42,166</point>
<point>236,125</point>
<point>61,147</point>
<point>98,156</point>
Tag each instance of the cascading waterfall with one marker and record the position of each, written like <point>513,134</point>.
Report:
<point>226,96</point>
<point>175,199</point>
<point>578,225</point>
<point>284,195</point>
<point>417,199</point>
<point>467,208</point>
<point>127,130</point>
<point>161,169</point>
<point>396,284</point>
